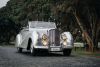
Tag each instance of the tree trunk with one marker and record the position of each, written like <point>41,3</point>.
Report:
<point>97,34</point>
<point>85,34</point>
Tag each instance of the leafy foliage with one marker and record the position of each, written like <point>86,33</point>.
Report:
<point>8,30</point>
<point>59,11</point>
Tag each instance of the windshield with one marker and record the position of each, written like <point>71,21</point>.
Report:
<point>41,24</point>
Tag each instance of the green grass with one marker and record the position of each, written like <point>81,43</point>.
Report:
<point>83,52</point>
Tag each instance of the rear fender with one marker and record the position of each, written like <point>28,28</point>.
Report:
<point>18,40</point>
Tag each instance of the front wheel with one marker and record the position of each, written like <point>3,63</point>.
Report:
<point>33,51</point>
<point>67,52</point>
<point>19,49</point>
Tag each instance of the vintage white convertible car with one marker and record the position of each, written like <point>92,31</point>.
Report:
<point>39,35</point>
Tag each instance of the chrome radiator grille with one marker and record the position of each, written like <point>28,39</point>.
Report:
<point>54,36</point>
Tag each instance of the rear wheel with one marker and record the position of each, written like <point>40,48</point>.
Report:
<point>67,52</point>
<point>19,50</point>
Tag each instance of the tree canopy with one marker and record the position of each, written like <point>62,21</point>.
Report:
<point>69,15</point>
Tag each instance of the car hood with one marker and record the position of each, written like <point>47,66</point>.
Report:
<point>42,31</point>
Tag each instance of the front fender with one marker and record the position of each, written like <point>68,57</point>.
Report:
<point>69,38</point>
<point>34,37</point>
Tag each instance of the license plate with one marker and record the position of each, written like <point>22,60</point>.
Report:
<point>55,49</point>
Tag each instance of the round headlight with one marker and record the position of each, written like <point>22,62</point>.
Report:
<point>44,39</point>
<point>64,39</point>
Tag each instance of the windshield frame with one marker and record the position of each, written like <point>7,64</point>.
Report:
<point>41,24</point>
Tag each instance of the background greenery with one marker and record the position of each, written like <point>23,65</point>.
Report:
<point>17,13</point>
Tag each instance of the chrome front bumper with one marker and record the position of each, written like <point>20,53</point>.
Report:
<point>54,48</point>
